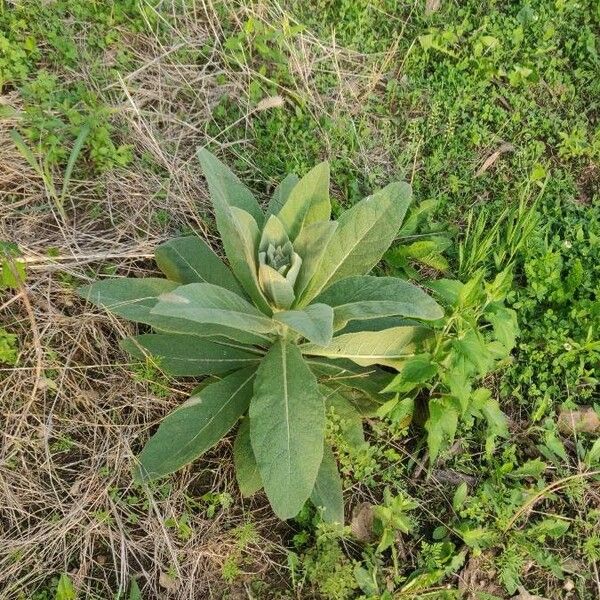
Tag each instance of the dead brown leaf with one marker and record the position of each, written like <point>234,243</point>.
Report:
<point>432,6</point>
<point>362,522</point>
<point>493,157</point>
<point>581,420</point>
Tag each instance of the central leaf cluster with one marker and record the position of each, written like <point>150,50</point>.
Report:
<point>290,329</point>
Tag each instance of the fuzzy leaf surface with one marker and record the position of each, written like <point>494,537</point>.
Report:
<point>188,355</point>
<point>315,323</point>
<point>363,234</point>
<point>287,427</point>
<point>328,493</point>
<point>196,425</point>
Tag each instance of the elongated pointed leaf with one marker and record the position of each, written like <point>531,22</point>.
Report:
<point>196,425</point>
<point>282,193</point>
<point>189,355</point>
<point>134,299</point>
<point>315,323</point>
<point>225,188</point>
<point>241,241</point>
<point>191,260</point>
<point>327,493</point>
<point>128,297</point>
<point>287,426</point>
<point>366,297</point>
<point>311,244</point>
<point>388,347</point>
<point>246,469</point>
<point>211,304</point>
<point>364,233</point>
<point>308,201</point>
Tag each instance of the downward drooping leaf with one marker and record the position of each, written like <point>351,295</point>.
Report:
<point>190,260</point>
<point>130,298</point>
<point>315,323</point>
<point>311,244</point>
<point>308,201</point>
<point>226,190</point>
<point>282,193</point>
<point>134,299</point>
<point>196,425</point>
<point>362,386</point>
<point>363,234</point>
<point>389,347</point>
<point>188,355</point>
<point>246,469</point>
<point>327,493</point>
<point>207,303</point>
<point>287,423</point>
<point>367,297</point>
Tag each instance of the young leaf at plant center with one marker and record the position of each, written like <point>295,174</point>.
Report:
<point>246,469</point>
<point>315,323</point>
<point>188,355</point>
<point>191,260</point>
<point>327,493</point>
<point>197,425</point>
<point>287,424</point>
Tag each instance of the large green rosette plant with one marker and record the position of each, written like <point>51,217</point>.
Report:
<point>293,327</point>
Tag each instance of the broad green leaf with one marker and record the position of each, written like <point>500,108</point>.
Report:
<point>129,297</point>
<point>367,297</point>
<point>327,493</point>
<point>377,324</point>
<point>196,425</point>
<point>188,355</point>
<point>246,469</point>
<point>593,455</point>
<point>473,348</point>
<point>389,347</point>
<point>364,233</point>
<point>441,425</point>
<point>460,495</point>
<point>287,427</point>
<point>225,188</point>
<point>504,322</point>
<point>315,323</point>
<point>282,193</point>
<point>65,589</point>
<point>134,299</point>
<point>241,243</point>
<point>347,416</point>
<point>447,289</point>
<point>415,371</point>
<point>189,260</point>
<point>311,244</point>
<point>308,201</point>
<point>211,304</point>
